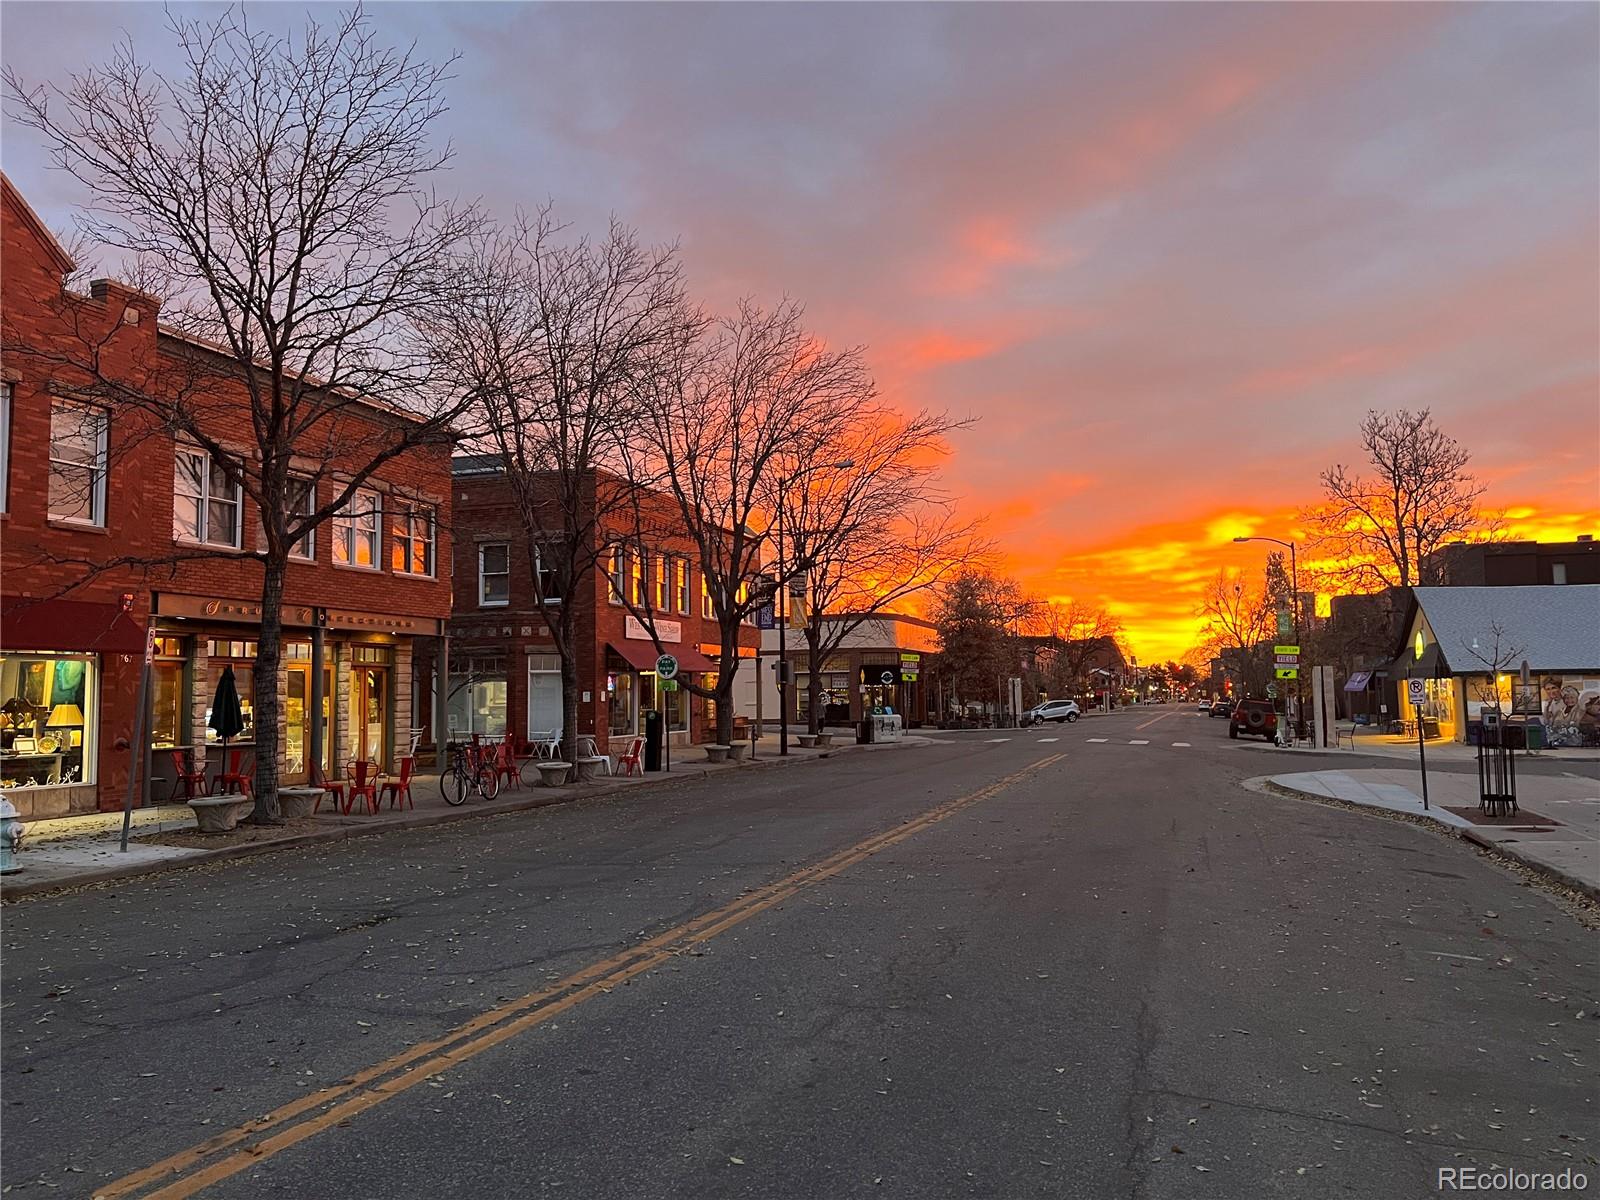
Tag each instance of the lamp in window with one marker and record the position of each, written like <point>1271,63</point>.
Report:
<point>16,713</point>
<point>64,716</point>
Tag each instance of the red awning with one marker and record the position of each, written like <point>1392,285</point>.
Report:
<point>641,656</point>
<point>72,625</point>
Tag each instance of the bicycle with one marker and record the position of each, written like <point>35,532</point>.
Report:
<point>469,771</point>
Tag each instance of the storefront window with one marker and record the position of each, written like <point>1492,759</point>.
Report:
<point>166,705</point>
<point>48,720</point>
<point>244,679</point>
<point>620,700</point>
<point>677,711</point>
<point>478,700</point>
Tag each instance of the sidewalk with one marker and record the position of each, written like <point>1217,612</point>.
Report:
<point>1556,829</point>
<point>1383,745</point>
<point>71,851</point>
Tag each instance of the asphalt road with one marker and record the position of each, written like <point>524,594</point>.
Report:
<point>1082,969</point>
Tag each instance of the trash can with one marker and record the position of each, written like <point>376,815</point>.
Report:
<point>652,739</point>
<point>1534,732</point>
<point>864,731</point>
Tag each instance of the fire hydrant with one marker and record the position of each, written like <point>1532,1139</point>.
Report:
<point>11,831</point>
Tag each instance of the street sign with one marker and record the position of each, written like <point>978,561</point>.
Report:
<point>1288,672</point>
<point>1286,649</point>
<point>766,616</point>
<point>1285,624</point>
<point>669,685</point>
<point>667,667</point>
<point>1272,691</point>
<point>1416,691</point>
<point>1288,660</point>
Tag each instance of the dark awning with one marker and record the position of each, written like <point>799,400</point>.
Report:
<point>641,656</point>
<point>79,626</point>
<point>1357,681</point>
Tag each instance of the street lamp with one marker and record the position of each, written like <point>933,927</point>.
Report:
<point>782,607</point>
<point>1294,582</point>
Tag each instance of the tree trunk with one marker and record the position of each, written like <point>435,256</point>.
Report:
<point>814,677</point>
<point>269,665</point>
<point>727,668</point>
<point>562,634</point>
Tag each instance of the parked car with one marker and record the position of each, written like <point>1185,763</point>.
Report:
<point>1052,710</point>
<point>1222,708</point>
<point>1256,717</point>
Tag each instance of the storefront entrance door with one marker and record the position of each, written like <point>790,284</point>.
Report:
<point>369,713</point>
<point>297,721</point>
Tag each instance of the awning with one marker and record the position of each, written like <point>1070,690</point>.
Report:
<point>641,656</point>
<point>1357,681</point>
<point>79,626</point>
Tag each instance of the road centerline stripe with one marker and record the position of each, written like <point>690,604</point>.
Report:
<point>1151,722</point>
<point>188,1172</point>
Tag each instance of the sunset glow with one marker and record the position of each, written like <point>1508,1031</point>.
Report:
<point>1167,257</point>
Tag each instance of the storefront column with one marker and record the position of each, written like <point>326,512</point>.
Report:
<point>344,732</point>
<point>199,702</point>
<point>401,687</point>
<point>318,652</point>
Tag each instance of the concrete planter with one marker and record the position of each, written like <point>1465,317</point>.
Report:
<point>551,773</point>
<point>219,814</point>
<point>297,802</point>
<point>737,751</point>
<point>806,740</point>
<point>824,741</point>
<point>715,753</point>
<point>589,768</point>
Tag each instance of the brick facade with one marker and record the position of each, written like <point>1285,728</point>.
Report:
<point>47,332</point>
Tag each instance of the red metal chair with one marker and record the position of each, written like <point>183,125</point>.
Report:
<point>363,775</point>
<point>236,776</point>
<point>330,787</point>
<point>398,787</point>
<point>503,758</point>
<point>628,763</point>
<point>185,776</point>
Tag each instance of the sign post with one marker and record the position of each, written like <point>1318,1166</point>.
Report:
<point>1416,693</point>
<point>667,674</point>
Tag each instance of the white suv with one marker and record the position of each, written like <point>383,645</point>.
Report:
<point>1052,710</point>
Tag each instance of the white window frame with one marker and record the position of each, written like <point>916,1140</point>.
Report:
<point>483,600</point>
<point>407,515</point>
<point>347,528</point>
<point>546,577</point>
<point>614,573</point>
<point>97,469</point>
<point>202,535</point>
<point>306,548</point>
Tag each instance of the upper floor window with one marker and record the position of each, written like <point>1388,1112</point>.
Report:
<point>707,609</point>
<point>355,530</point>
<point>743,595</point>
<point>205,506</point>
<point>412,553</point>
<point>303,498</point>
<point>614,573</point>
<point>636,561</point>
<point>549,581</point>
<point>5,447</point>
<point>77,490</point>
<point>663,582</point>
<point>680,583</point>
<point>494,574</point>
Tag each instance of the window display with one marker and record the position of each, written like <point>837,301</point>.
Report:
<point>47,726</point>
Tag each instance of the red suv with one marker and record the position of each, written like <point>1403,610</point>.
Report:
<point>1254,716</point>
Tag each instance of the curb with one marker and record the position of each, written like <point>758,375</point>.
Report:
<point>1467,834</point>
<point>17,888</point>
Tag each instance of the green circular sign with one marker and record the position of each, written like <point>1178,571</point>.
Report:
<point>667,667</point>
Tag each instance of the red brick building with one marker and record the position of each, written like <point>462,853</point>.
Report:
<point>504,672</point>
<point>84,482</point>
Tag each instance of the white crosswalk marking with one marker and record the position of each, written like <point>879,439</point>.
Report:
<point>997,739</point>
<point>1049,739</point>
<point>1185,745</point>
<point>1099,739</point>
<point>1138,742</point>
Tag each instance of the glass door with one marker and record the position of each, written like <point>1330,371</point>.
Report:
<point>369,701</point>
<point>297,725</point>
<point>544,702</point>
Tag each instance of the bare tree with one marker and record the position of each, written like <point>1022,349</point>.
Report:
<point>277,193</point>
<point>978,616</point>
<point>555,341</point>
<point>1385,529</point>
<point>1238,622</point>
<point>1079,634</point>
<point>729,415</point>
<point>865,537</point>
<point>1497,654</point>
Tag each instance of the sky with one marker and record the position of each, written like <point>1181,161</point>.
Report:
<point>1167,255</point>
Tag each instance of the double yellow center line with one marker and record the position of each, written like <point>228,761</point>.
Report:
<point>190,1171</point>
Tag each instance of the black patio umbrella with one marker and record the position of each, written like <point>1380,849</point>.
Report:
<point>227,717</point>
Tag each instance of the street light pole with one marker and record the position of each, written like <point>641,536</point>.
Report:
<point>783,605</point>
<point>1294,609</point>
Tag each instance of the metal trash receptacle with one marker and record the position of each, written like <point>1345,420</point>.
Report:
<point>652,740</point>
<point>864,731</point>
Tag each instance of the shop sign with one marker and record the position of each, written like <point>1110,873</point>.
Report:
<point>666,631</point>
<point>881,674</point>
